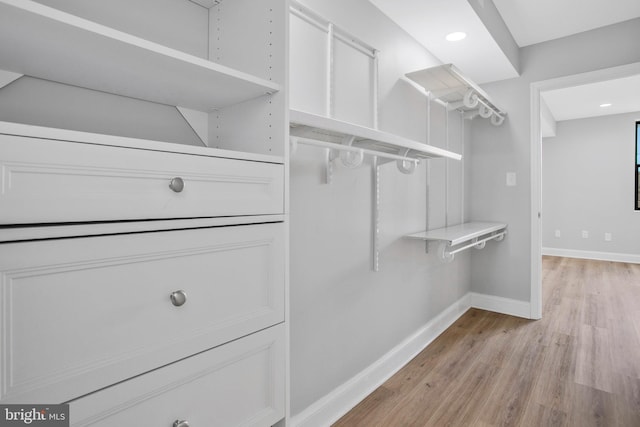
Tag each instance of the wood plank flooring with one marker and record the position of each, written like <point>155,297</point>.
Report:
<point>578,366</point>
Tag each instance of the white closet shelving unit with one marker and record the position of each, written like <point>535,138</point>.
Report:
<point>313,129</point>
<point>345,140</point>
<point>353,142</point>
<point>452,239</point>
<point>155,271</point>
<point>94,55</point>
<point>447,85</point>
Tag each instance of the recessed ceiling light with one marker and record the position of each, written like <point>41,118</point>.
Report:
<point>454,37</point>
<point>605,105</point>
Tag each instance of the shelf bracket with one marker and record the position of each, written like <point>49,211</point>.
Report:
<point>405,166</point>
<point>349,158</point>
<point>329,156</point>
<point>8,77</point>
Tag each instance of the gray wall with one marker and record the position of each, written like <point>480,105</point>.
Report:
<point>344,317</point>
<point>505,270</point>
<point>588,183</point>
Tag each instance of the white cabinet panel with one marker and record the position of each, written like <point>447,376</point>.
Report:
<point>239,384</point>
<point>46,181</point>
<point>80,314</point>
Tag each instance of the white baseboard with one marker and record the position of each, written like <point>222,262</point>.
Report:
<point>501,305</point>
<point>602,256</point>
<point>334,405</point>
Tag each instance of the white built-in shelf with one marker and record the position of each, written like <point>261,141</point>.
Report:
<point>447,84</point>
<point>475,234</point>
<point>40,41</point>
<point>314,126</point>
<point>457,234</point>
<point>31,131</point>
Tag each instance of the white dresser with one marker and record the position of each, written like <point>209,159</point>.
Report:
<point>144,282</point>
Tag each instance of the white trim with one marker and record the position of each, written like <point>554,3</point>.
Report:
<point>601,256</point>
<point>536,202</point>
<point>338,402</point>
<point>535,90</point>
<point>341,400</point>
<point>501,305</point>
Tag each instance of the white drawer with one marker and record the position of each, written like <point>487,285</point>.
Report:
<point>80,314</point>
<point>238,384</point>
<point>48,181</point>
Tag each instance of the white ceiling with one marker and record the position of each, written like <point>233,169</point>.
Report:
<point>584,101</point>
<point>480,57</point>
<point>536,21</point>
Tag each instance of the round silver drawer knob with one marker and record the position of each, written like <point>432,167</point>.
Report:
<point>176,184</point>
<point>180,423</point>
<point>178,298</point>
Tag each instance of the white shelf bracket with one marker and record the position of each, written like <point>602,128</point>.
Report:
<point>329,156</point>
<point>407,167</point>
<point>8,77</point>
<point>351,159</point>
<point>198,121</point>
<point>472,100</point>
<point>450,87</point>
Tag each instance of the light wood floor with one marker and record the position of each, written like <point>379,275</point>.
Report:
<point>578,366</point>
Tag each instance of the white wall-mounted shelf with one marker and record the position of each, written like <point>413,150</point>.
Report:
<point>75,51</point>
<point>450,238</point>
<point>354,141</point>
<point>313,126</point>
<point>448,85</point>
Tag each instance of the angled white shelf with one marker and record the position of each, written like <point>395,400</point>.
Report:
<point>447,84</point>
<point>477,233</point>
<point>314,126</point>
<point>68,49</point>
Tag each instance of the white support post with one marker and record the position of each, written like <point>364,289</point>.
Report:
<point>462,171</point>
<point>329,82</point>
<point>374,90</point>
<point>426,219</point>
<point>375,215</point>
<point>446,168</point>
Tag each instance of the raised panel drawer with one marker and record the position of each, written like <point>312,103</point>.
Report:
<point>238,384</point>
<point>50,181</point>
<point>80,314</point>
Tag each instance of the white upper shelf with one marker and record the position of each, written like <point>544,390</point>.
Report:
<point>447,84</point>
<point>43,42</point>
<point>461,233</point>
<point>367,137</point>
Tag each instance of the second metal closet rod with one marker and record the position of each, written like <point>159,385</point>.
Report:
<point>332,145</point>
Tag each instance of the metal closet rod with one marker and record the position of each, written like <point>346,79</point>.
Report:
<point>451,106</point>
<point>476,242</point>
<point>341,147</point>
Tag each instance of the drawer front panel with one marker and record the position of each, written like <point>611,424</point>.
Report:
<point>46,181</point>
<point>80,314</point>
<point>238,384</point>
